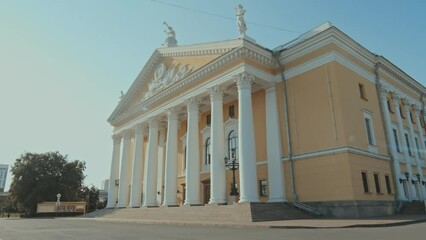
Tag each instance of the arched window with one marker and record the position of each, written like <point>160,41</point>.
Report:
<point>233,144</point>
<point>207,151</point>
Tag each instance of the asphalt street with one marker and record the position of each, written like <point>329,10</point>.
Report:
<point>63,229</point>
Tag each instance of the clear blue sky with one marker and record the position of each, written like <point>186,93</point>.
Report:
<point>64,63</point>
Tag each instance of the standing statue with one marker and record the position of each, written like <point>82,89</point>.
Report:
<point>240,20</point>
<point>171,37</point>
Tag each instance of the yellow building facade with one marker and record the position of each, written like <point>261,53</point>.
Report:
<point>319,122</point>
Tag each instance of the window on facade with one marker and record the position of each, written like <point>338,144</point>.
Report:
<point>388,186</point>
<point>231,111</point>
<point>376,182</point>
<point>364,181</point>
<point>263,188</point>
<point>209,119</point>
<point>417,147</point>
<point>369,131</point>
<point>208,151</point>
<point>408,144</point>
<point>395,136</point>
<point>362,91</point>
<point>233,144</point>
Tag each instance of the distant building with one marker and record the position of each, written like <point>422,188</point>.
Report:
<point>105,184</point>
<point>3,175</point>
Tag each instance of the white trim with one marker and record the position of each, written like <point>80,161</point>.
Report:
<point>339,150</point>
<point>230,125</point>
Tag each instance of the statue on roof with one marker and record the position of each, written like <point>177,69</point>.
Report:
<point>171,37</point>
<point>240,20</point>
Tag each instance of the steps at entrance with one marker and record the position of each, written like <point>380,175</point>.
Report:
<point>274,212</point>
<point>414,207</point>
<point>223,213</point>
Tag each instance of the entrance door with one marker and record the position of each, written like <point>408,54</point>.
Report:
<point>206,192</point>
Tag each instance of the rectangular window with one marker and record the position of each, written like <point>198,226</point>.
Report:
<point>362,91</point>
<point>388,186</point>
<point>263,188</point>
<point>376,182</point>
<point>209,119</point>
<point>417,147</point>
<point>231,111</point>
<point>395,136</point>
<point>364,181</point>
<point>369,132</point>
<point>408,144</point>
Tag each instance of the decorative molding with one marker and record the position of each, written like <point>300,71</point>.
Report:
<point>244,81</point>
<point>339,150</point>
<point>216,93</point>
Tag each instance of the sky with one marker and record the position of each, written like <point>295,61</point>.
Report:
<point>64,63</point>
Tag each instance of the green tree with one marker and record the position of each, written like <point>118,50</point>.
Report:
<point>91,197</point>
<point>38,177</point>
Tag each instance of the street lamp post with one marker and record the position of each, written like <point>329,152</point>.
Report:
<point>58,202</point>
<point>233,166</point>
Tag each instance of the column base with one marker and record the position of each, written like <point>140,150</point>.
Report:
<point>135,206</point>
<point>121,205</point>
<point>217,202</point>
<point>187,204</point>
<point>248,200</point>
<point>109,207</point>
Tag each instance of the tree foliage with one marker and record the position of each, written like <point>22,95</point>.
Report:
<point>39,177</point>
<point>91,197</point>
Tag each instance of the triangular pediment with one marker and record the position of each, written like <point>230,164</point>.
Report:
<point>168,66</point>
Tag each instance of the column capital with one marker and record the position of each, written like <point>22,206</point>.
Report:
<point>116,138</point>
<point>153,122</point>
<point>216,93</point>
<point>192,104</point>
<point>140,128</point>
<point>243,80</point>
<point>406,102</point>
<point>172,113</point>
<point>127,133</point>
<point>416,109</point>
<point>395,98</point>
<point>383,88</point>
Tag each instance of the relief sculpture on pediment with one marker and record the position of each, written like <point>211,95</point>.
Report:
<point>164,77</point>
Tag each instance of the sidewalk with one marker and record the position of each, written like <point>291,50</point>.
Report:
<point>396,220</point>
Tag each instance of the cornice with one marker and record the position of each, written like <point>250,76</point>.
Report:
<point>389,70</point>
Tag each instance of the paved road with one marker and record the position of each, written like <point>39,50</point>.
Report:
<point>64,229</point>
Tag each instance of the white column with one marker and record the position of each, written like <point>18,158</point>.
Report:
<point>150,171</point>
<point>397,169</point>
<point>422,151</point>
<point>192,155</point>
<point>246,144</point>
<point>171,159</point>
<point>136,191</point>
<point>403,142</point>
<point>217,167</point>
<point>273,148</point>
<point>160,166</point>
<point>125,172</point>
<point>115,171</point>
<point>413,146</point>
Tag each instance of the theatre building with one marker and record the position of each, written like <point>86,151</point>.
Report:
<point>320,123</point>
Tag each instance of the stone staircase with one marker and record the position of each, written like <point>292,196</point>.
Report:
<point>414,207</point>
<point>223,213</point>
